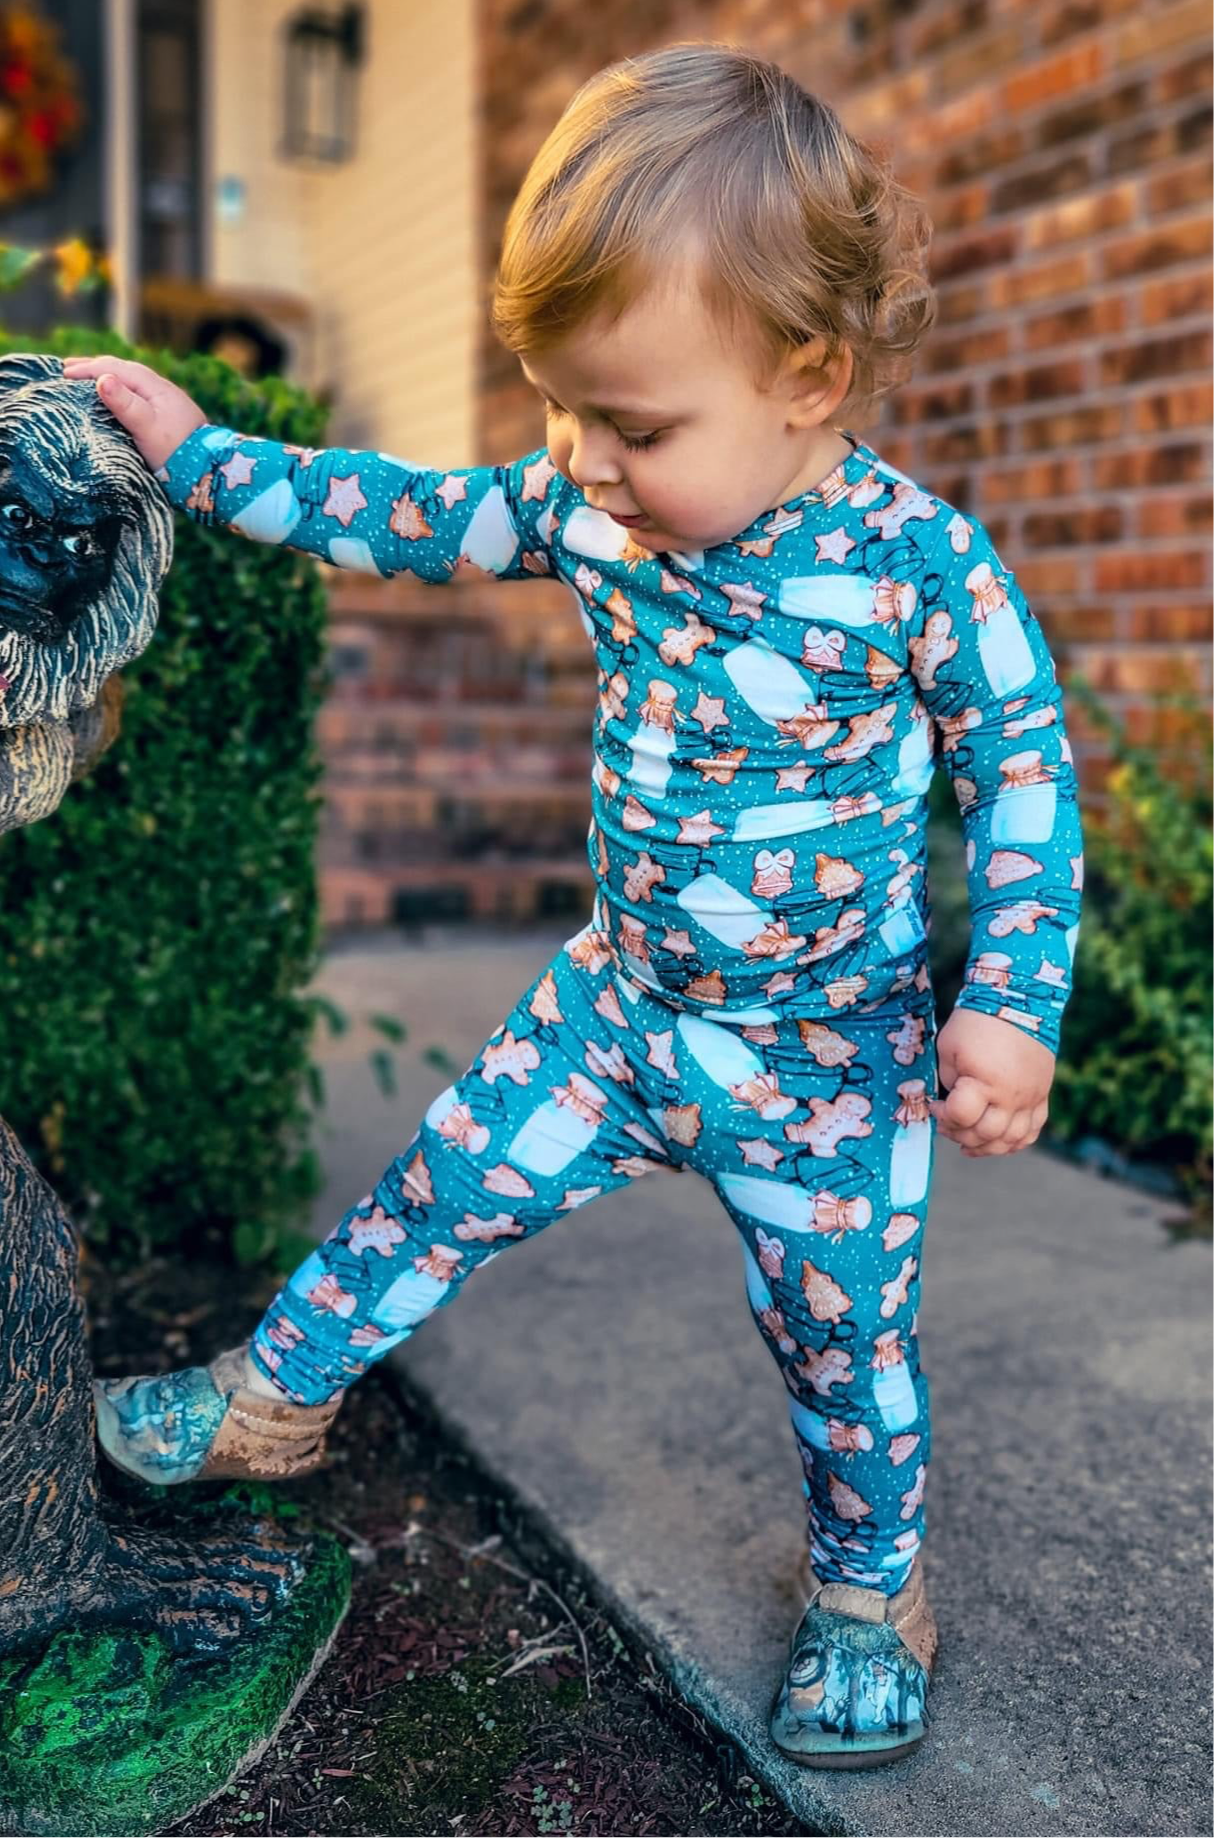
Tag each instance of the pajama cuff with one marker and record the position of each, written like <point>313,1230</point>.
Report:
<point>1010,1003</point>
<point>188,462</point>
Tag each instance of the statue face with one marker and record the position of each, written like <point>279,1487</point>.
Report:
<point>86,537</point>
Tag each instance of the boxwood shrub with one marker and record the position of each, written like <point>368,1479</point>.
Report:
<point>1137,1063</point>
<point>1132,1091</point>
<point>158,931</point>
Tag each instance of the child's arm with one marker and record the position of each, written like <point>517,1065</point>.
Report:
<point>987,677</point>
<point>357,509</point>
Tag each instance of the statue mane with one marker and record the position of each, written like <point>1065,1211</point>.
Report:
<point>81,451</point>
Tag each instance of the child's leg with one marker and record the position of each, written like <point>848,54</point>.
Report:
<point>827,1179</point>
<point>544,1120</point>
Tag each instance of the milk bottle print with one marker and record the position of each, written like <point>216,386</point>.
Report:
<point>916,762</point>
<point>723,910</point>
<point>1003,647</point>
<point>552,1137</point>
<point>778,1203</point>
<point>893,1387</point>
<point>767,682</point>
<point>409,1299</point>
<point>902,931</point>
<point>718,1051</point>
<point>809,1425</point>
<point>1024,808</point>
<point>758,1289</point>
<point>651,762</point>
<point>911,1156</point>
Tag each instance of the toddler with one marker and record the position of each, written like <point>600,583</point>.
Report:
<point>705,276</point>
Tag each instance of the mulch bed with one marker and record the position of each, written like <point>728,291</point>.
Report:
<point>471,1688</point>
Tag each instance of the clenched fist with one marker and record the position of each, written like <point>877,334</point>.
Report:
<point>997,1081</point>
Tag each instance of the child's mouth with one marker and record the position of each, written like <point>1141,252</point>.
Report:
<point>628,522</point>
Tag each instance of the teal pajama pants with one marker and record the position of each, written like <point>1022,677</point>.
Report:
<point>816,1136</point>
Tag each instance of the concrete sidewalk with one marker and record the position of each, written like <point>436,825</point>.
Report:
<point>609,1373</point>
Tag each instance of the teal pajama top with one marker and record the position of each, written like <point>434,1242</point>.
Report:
<point>770,714</point>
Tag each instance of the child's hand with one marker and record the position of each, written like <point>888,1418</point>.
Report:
<point>997,1079</point>
<point>154,411</point>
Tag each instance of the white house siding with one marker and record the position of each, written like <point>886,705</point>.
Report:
<point>383,247</point>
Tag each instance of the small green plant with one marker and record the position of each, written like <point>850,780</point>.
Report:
<point>551,1816</point>
<point>751,1791</point>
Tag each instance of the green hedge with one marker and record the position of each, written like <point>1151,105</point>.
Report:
<point>1137,1043</point>
<point>1134,1063</point>
<point>949,935</point>
<point>158,931</point>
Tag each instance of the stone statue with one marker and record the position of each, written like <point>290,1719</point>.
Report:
<point>85,542</point>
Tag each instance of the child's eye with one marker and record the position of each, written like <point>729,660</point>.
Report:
<point>635,443</point>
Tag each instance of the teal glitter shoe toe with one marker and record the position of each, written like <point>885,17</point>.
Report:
<point>855,1691</point>
<point>204,1423</point>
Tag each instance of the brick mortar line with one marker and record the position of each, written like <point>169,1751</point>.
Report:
<point>1140,224</point>
<point>1041,158</point>
<point>1121,499</point>
<point>1091,396</point>
<point>1112,449</point>
<point>1095,500</point>
<point>1045,407</point>
<point>902,30</point>
<point>1128,287</point>
<point>1143,647</point>
<point>1084,552</point>
<point>1021,355</point>
<point>1090,497</point>
<point>1147,66</point>
<point>1128,599</point>
<point>994,219</point>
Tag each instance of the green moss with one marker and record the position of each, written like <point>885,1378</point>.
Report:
<point>105,1732</point>
<point>447,1742</point>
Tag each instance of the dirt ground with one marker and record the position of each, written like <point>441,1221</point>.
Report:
<point>473,1687</point>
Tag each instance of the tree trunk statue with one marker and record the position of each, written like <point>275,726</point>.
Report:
<point>145,1658</point>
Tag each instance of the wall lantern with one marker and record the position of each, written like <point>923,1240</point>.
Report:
<point>324,48</point>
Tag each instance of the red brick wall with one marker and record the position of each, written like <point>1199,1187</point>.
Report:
<point>457,753</point>
<point>1064,397</point>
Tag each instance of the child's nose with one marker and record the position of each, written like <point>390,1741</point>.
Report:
<point>591,462</point>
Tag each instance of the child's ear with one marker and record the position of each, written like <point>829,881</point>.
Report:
<point>817,380</point>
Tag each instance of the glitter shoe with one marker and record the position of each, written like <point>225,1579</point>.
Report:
<point>855,1691</point>
<point>204,1423</point>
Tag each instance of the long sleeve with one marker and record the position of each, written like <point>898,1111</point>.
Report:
<point>368,511</point>
<point>987,678</point>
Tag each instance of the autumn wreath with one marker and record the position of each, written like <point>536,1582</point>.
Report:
<point>40,108</point>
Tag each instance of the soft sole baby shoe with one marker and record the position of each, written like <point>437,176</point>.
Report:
<point>205,1423</point>
<point>855,1691</point>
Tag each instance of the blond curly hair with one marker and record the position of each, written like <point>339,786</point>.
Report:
<point>800,231</point>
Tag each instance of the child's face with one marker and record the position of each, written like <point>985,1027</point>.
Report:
<point>654,418</point>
